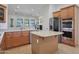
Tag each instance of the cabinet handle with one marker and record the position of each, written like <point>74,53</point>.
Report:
<point>37,41</point>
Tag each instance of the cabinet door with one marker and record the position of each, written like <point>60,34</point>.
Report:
<point>8,39</point>
<point>70,12</point>
<point>8,43</point>
<point>16,41</point>
<point>25,37</point>
<point>25,40</point>
<point>67,12</point>
<point>63,13</point>
<point>68,41</point>
<point>16,34</point>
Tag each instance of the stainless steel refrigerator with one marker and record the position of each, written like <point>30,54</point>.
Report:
<point>55,25</point>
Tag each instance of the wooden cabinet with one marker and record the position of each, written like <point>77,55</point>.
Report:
<point>63,13</point>
<point>70,12</point>
<point>68,41</point>
<point>25,37</point>
<point>14,39</point>
<point>67,12</point>
<point>43,45</point>
<point>57,14</point>
<point>16,42</point>
<point>3,9</point>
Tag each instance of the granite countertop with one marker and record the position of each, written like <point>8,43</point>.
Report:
<point>13,30</point>
<point>46,33</point>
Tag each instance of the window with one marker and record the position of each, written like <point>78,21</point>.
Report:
<point>11,22</point>
<point>19,22</point>
<point>26,22</point>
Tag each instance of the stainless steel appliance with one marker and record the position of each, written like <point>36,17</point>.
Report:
<point>55,25</point>
<point>67,34</point>
<point>67,27</point>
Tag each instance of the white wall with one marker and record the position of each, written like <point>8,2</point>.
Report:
<point>47,14</point>
<point>45,18</point>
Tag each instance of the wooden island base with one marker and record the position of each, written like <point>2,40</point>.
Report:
<point>44,45</point>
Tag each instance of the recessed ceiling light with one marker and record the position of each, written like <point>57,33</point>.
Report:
<point>32,9</point>
<point>38,8</point>
<point>18,7</point>
<point>37,14</point>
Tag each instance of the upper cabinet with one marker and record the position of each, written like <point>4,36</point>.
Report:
<point>57,14</point>
<point>67,12</point>
<point>2,13</point>
<point>64,13</point>
<point>70,12</point>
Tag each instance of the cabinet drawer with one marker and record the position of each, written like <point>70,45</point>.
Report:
<point>8,43</point>
<point>25,33</point>
<point>48,39</point>
<point>68,41</point>
<point>16,34</point>
<point>8,33</point>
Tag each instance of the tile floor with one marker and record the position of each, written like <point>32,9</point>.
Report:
<point>26,49</point>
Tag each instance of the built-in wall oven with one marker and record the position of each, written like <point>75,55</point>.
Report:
<point>67,27</point>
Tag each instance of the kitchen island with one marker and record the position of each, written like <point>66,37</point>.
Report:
<point>12,38</point>
<point>44,42</point>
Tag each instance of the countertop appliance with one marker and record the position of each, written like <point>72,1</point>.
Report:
<point>40,27</point>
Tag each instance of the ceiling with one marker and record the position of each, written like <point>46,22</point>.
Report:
<point>27,9</point>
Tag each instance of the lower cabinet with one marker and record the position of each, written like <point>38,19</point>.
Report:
<point>25,40</point>
<point>44,45</point>
<point>68,41</point>
<point>14,39</point>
